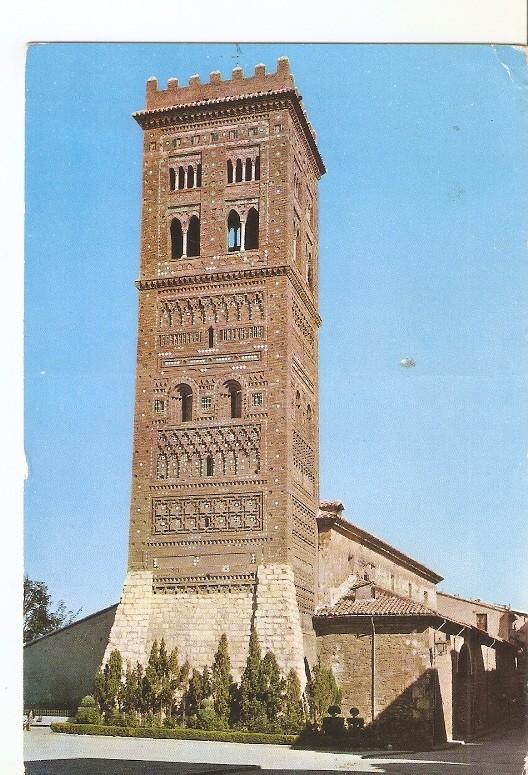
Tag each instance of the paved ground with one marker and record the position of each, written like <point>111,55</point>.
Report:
<point>52,754</point>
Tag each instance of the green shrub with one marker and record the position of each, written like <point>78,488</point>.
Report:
<point>179,733</point>
<point>131,719</point>
<point>88,712</point>
<point>116,719</point>
<point>206,718</point>
<point>88,702</point>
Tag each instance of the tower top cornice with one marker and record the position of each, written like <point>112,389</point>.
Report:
<point>177,102</point>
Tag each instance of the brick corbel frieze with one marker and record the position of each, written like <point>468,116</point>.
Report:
<point>225,107</point>
<point>156,283</point>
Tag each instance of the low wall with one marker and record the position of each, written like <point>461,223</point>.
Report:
<point>59,668</point>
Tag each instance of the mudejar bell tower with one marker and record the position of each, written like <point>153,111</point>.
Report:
<point>225,462</point>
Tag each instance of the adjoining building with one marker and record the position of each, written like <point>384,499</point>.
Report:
<point>226,528</point>
<point>416,670</point>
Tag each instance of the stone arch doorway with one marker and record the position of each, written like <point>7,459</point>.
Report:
<point>463,721</point>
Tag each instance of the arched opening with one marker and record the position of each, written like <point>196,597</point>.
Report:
<point>190,176</point>
<point>298,406</point>
<point>229,171</point>
<point>257,168</point>
<point>176,233</point>
<point>172,179</point>
<point>309,416</point>
<point>297,243</point>
<point>186,400</point>
<point>209,466</point>
<point>249,165</point>
<point>238,172</point>
<point>309,265</point>
<point>252,229</point>
<point>210,336</point>
<point>234,392</point>
<point>181,178</point>
<point>193,236</point>
<point>199,176</point>
<point>233,231</point>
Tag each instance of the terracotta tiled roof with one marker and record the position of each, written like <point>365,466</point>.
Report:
<point>383,603</point>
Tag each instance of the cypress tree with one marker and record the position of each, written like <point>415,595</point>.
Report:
<point>271,686</point>
<point>151,681</point>
<point>108,683</point>
<point>322,691</point>
<point>293,719</point>
<point>252,710</point>
<point>221,679</point>
<point>194,694</point>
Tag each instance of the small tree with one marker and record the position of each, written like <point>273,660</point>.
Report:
<point>185,672</point>
<point>221,679</point>
<point>152,681</point>
<point>195,693</point>
<point>252,709</point>
<point>130,695</point>
<point>293,718</point>
<point>88,712</point>
<point>108,689</point>
<point>322,691</point>
<point>170,684</point>
<point>272,686</point>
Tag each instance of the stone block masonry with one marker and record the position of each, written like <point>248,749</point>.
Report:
<point>193,621</point>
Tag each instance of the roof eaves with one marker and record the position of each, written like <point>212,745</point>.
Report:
<point>372,541</point>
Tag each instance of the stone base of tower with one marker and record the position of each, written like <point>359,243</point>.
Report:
<point>193,621</point>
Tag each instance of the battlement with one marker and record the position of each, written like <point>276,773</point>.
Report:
<point>216,89</point>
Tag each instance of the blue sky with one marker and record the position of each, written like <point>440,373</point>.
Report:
<point>423,247</point>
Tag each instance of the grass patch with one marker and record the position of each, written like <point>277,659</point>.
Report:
<point>179,733</point>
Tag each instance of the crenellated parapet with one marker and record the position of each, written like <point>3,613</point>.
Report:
<point>237,86</point>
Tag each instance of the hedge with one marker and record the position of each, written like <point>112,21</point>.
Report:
<point>179,733</point>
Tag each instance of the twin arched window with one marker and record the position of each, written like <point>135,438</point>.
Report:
<point>185,239</point>
<point>242,234</point>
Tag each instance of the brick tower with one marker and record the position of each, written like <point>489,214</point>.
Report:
<point>225,463</point>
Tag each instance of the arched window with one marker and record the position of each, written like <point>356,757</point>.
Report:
<point>181,178</point>
<point>309,415</point>
<point>309,265</point>
<point>186,399</point>
<point>199,176</point>
<point>233,231</point>
<point>252,229</point>
<point>176,234</point>
<point>193,236</point>
<point>238,172</point>
<point>172,179</point>
<point>209,466</point>
<point>210,335</point>
<point>298,406</point>
<point>257,168</point>
<point>249,165</point>
<point>297,242</point>
<point>229,171</point>
<point>234,392</point>
<point>190,176</point>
